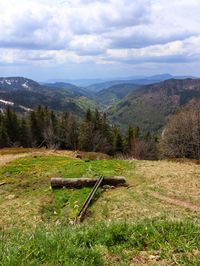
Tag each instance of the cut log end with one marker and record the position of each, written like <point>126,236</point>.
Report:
<point>86,182</point>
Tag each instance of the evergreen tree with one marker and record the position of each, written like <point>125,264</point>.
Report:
<point>12,124</point>
<point>24,134</point>
<point>128,140</point>
<point>73,132</point>
<point>88,116</point>
<point>63,134</point>
<point>4,140</point>
<point>117,141</point>
<point>36,137</point>
<point>86,135</point>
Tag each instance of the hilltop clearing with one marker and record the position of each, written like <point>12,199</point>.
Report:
<point>153,221</point>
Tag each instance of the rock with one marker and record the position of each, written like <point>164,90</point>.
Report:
<point>7,174</point>
<point>154,257</point>
<point>78,155</point>
<point>108,187</point>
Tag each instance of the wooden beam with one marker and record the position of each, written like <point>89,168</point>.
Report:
<point>86,182</point>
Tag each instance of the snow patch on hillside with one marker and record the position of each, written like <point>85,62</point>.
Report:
<point>25,85</point>
<point>8,82</point>
<point>25,108</point>
<point>6,102</point>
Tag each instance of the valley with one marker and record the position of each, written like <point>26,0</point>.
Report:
<point>126,102</point>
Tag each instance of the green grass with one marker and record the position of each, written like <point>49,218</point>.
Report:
<point>29,178</point>
<point>125,226</point>
<point>103,244</point>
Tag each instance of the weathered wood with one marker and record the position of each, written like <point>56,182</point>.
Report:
<point>86,182</point>
<point>83,210</point>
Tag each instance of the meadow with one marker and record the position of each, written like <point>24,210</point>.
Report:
<point>155,220</point>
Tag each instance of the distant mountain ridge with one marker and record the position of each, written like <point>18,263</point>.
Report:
<point>151,105</point>
<point>17,83</point>
<point>96,87</point>
<point>20,91</point>
<point>71,87</point>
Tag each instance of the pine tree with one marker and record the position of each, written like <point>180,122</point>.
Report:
<point>12,124</point>
<point>24,134</point>
<point>128,140</point>
<point>117,141</point>
<point>36,136</point>
<point>4,140</point>
<point>63,131</point>
<point>88,116</point>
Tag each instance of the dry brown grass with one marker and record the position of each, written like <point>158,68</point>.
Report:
<point>19,211</point>
<point>174,179</point>
<point>12,151</point>
<point>9,154</point>
<point>178,182</point>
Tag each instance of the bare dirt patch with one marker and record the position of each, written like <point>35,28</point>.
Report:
<point>180,203</point>
<point>4,159</point>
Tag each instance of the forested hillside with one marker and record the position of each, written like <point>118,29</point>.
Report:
<point>112,95</point>
<point>22,93</point>
<point>150,106</point>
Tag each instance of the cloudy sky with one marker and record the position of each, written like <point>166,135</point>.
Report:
<point>45,39</point>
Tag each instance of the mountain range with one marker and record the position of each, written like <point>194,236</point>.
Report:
<point>23,94</point>
<point>150,106</point>
<point>147,103</point>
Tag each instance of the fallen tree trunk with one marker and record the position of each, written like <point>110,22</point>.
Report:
<point>86,182</point>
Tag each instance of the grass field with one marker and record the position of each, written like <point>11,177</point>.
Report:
<point>153,221</point>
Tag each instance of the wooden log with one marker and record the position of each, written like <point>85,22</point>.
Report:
<point>86,182</point>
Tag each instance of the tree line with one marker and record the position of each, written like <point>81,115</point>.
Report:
<point>45,128</point>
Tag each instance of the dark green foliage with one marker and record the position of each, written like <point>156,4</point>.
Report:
<point>4,140</point>
<point>45,128</point>
<point>88,117</point>
<point>94,133</point>
<point>24,134</point>
<point>12,125</point>
<point>117,141</point>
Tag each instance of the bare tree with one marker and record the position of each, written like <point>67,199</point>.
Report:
<point>181,136</point>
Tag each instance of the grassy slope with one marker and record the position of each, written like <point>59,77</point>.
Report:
<point>28,184</point>
<point>175,180</point>
<point>125,226</point>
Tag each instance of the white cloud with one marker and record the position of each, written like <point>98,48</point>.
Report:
<point>79,31</point>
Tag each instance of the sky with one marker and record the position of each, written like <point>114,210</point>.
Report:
<point>72,39</point>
